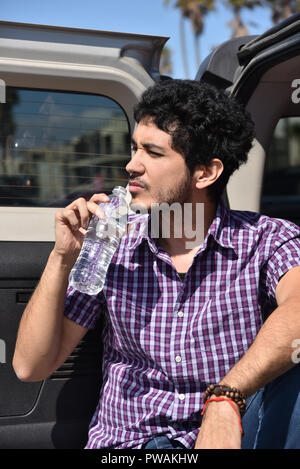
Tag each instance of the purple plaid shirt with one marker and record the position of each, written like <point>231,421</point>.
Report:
<point>166,340</point>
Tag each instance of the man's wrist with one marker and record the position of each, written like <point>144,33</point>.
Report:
<point>229,416</point>
<point>59,262</point>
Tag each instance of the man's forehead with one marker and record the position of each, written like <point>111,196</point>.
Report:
<point>149,133</point>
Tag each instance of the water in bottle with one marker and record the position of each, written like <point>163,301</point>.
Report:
<point>100,243</point>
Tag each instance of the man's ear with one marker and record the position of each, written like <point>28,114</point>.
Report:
<point>207,175</point>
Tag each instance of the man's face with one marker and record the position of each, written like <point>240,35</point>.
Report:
<point>157,173</point>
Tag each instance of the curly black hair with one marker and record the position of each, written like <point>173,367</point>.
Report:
<point>204,123</point>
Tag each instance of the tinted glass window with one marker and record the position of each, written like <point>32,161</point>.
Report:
<point>57,146</point>
<point>281,186</point>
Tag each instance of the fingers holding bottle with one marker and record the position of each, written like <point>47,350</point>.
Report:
<point>71,224</point>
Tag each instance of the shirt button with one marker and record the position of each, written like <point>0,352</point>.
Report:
<point>181,396</point>
<point>180,314</point>
<point>178,359</point>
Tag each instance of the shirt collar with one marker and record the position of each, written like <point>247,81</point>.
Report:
<point>220,228</point>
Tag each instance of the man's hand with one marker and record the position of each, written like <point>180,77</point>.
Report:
<point>220,428</point>
<point>71,224</point>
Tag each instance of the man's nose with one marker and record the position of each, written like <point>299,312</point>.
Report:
<point>135,165</point>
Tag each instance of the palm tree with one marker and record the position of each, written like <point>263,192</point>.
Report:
<point>282,9</point>
<point>236,24</point>
<point>165,66</point>
<point>195,11</point>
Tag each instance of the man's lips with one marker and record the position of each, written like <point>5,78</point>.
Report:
<point>134,186</point>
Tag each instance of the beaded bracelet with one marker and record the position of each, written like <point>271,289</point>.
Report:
<point>232,393</point>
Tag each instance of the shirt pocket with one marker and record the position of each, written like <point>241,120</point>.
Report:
<point>128,320</point>
<point>224,331</point>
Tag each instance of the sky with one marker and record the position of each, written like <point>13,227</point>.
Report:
<point>151,17</point>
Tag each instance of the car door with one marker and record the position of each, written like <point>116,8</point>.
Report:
<point>263,72</point>
<point>66,117</point>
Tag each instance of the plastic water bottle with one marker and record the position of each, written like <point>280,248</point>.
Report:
<point>100,243</point>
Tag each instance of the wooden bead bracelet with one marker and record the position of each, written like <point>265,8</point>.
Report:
<point>231,393</point>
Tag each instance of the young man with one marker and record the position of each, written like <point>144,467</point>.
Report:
<point>179,318</point>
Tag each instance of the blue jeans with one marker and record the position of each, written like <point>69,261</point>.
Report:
<point>162,442</point>
<point>272,419</point>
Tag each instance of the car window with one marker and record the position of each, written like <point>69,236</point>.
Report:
<point>56,146</point>
<point>281,183</point>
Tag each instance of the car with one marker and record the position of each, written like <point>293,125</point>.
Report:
<point>66,113</point>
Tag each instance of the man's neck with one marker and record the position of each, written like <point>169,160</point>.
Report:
<point>194,227</point>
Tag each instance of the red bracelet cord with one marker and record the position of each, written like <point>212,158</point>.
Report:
<point>231,402</point>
